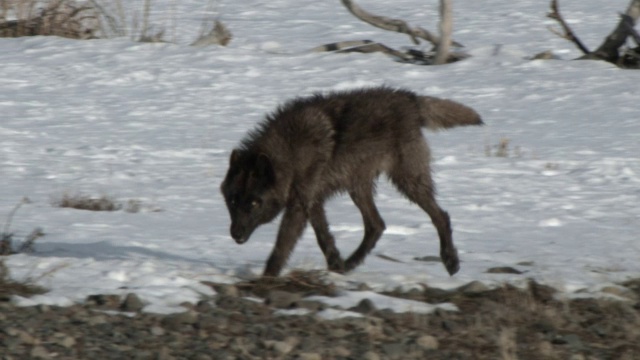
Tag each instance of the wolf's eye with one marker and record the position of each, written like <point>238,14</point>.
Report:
<point>256,204</point>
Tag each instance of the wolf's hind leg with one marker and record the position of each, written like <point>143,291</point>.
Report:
<point>326,241</point>
<point>373,226</point>
<point>417,186</point>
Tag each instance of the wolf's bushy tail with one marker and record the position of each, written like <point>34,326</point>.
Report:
<point>442,113</point>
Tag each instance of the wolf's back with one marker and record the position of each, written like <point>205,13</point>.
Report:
<point>443,114</point>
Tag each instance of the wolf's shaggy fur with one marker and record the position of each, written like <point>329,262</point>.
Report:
<point>311,148</point>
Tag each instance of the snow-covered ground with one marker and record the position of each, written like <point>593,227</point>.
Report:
<point>155,123</point>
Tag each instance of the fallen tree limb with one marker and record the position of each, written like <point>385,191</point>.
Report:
<point>412,56</point>
<point>613,48</point>
<point>395,25</point>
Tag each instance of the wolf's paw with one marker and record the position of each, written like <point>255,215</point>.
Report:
<point>450,260</point>
<point>336,265</point>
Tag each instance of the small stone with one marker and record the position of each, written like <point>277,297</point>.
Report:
<point>11,331</point>
<point>175,321</point>
<point>66,342</point>
<point>282,299</point>
<point>97,320</point>
<point>157,331</point>
<point>574,342</point>
<point>341,351</point>
<point>203,306</point>
<point>281,347</point>
<point>39,352</point>
<point>132,303</point>
<point>164,354</point>
<point>427,342</point>
<point>365,306</point>
<point>503,270</point>
<point>228,290</point>
<point>27,338</point>
<point>309,356</point>
<point>370,355</point>
<point>310,305</point>
<point>473,287</point>
<point>619,291</point>
<point>111,301</point>
<point>394,350</point>
<point>428,258</point>
<point>43,308</point>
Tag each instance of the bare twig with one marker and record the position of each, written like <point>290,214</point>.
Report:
<point>218,35</point>
<point>568,33</point>
<point>390,24</point>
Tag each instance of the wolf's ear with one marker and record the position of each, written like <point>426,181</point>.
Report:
<point>264,168</point>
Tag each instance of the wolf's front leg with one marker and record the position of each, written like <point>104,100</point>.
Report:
<point>293,223</point>
<point>327,243</point>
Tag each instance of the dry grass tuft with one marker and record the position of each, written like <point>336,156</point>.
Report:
<point>65,18</point>
<point>84,202</point>
<point>312,282</point>
<point>9,287</point>
<point>6,236</point>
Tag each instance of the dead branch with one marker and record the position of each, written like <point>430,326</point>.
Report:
<point>629,23</point>
<point>362,46</point>
<point>609,49</point>
<point>218,35</point>
<point>390,24</point>
<point>568,33</point>
<point>446,28</point>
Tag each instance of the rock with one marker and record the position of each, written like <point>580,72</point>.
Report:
<point>427,342</point>
<point>203,306</point>
<point>97,320</point>
<point>111,301</point>
<point>619,291</point>
<point>227,290</point>
<point>66,341</point>
<point>365,306</point>
<point>39,352</point>
<point>27,338</point>
<point>157,331</point>
<point>370,355</point>
<point>473,287</point>
<point>132,303</point>
<point>311,305</point>
<point>176,321</point>
<point>282,347</point>
<point>428,258</point>
<point>309,356</point>
<point>164,354</point>
<point>341,351</point>
<point>503,270</point>
<point>394,350</point>
<point>282,299</point>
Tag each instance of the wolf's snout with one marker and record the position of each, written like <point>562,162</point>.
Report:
<point>237,234</point>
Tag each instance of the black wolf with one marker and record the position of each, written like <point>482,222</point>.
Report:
<point>313,147</point>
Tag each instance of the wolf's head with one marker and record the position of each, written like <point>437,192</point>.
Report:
<point>249,191</point>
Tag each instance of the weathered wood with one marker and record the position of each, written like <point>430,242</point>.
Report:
<point>568,33</point>
<point>446,28</point>
<point>609,50</point>
<point>395,25</point>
